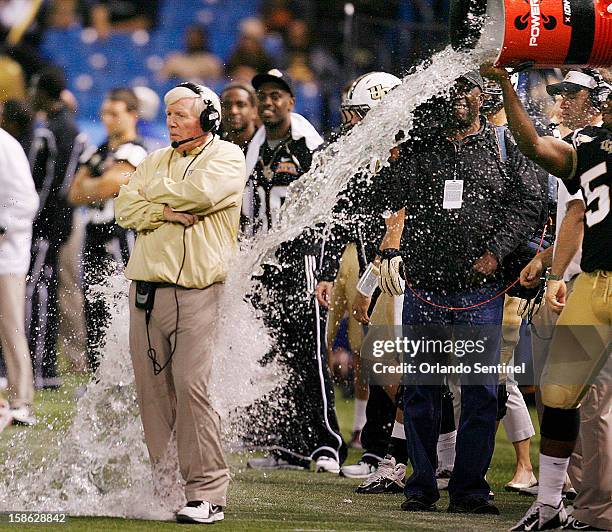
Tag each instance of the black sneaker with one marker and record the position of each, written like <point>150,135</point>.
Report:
<point>472,505</point>
<point>418,503</point>
<point>542,516</point>
<point>573,524</point>
<point>200,512</point>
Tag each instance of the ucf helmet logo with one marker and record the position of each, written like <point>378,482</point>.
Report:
<point>378,91</point>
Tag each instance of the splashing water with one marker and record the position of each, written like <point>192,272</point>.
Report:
<point>99,465</point>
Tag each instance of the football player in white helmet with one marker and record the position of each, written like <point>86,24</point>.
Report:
<point>365,93</point>
<point>356,278</point>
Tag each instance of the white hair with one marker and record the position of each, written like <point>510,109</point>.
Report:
<point>206,95</point>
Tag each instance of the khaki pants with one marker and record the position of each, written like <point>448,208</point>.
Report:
<point>177,398</point>
<point>14,343</point>
<point>594,480</point>
<point>581,341</point>
<point>591,463</point>
<point>342,300</point>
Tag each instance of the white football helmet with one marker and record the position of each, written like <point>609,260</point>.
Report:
<point>366,92</point>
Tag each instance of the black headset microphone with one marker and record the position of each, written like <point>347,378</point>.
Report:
<point>176,143</point>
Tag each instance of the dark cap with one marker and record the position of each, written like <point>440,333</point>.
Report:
<point>474,77</point>
<point>273,76</point>
<point>51,80</point>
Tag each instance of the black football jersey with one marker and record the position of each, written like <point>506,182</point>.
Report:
<point>275,170</point>
<point>99,160</point>
<point>593,164</point>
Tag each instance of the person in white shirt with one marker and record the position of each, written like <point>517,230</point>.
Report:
<point>18,207</point>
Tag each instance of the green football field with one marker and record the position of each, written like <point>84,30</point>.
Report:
<point>301,501</point>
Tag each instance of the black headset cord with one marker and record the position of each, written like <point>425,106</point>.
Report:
<point>151,353</point>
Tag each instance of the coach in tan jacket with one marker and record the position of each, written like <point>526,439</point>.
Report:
<point>184,202</point>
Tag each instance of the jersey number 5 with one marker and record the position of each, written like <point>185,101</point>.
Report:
<point>600,194</point>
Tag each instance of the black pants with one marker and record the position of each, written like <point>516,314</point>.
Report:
<point>298,420</point>
<point>107,249</point>
<point>380,417</point>
<point>42,310</point>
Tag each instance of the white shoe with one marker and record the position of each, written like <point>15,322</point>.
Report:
<point>542,517</point>
<point>200,512</point>
<point>388,478</point>
<point>519,486</point>
<point>22,416</point>
<point>359,470</point>
<point>568,491</point>
<point>271,462</point>
<point>327,464</point>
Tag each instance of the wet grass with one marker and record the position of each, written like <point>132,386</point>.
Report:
<point>289,500</point>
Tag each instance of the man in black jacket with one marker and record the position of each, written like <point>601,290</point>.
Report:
<point>301,419</point>
<point>53,158</point>
<point>466,211</point>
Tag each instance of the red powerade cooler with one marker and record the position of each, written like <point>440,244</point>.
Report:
<point>540,33</point>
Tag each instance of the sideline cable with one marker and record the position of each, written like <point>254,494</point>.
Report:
<point>476,305</point>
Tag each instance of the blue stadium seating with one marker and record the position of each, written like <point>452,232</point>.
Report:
<point>92,68</point>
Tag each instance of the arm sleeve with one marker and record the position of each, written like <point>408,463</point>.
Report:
<point>132,211</point>
<point>523,208</point>
<point>39,154</point>
<point>216,186</point>
<point>392,187</point>
<point>338,234</point>
<point>336,239</point>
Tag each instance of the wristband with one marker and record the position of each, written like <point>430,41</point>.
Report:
<point>388,253</point>
<point>553,277</point>
<point>368,281</point>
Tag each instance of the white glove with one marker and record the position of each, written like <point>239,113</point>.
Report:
<point>391,268</point>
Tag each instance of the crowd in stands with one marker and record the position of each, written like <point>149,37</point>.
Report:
<point>104,44</point>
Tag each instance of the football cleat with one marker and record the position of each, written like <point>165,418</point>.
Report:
<point>22,416</point>
<point>388,478</point>
<point>542,517</point>
<point>574,524</point>
<point>359,470</point>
